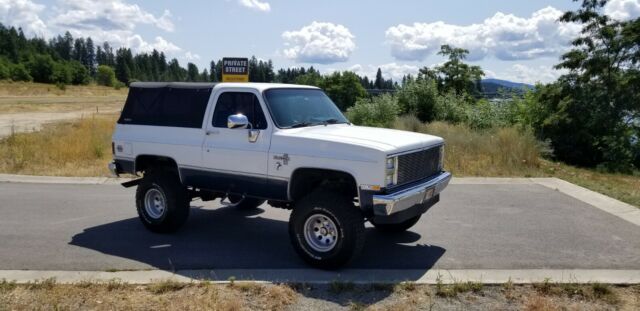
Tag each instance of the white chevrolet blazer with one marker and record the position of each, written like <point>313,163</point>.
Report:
<point>248,143</point>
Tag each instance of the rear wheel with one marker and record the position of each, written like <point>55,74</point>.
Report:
<point>162,202</point>
<point>326,229</point>
<point>241,202</point>
<point>396,228</point>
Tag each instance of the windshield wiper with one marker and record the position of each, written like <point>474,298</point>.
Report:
<point>300,124</point>
<point>331,121</point>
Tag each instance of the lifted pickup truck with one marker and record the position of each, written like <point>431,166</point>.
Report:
<point>247,143</point>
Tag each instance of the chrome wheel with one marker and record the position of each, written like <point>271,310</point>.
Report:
<point>155,203</point>
<point>320,233</point>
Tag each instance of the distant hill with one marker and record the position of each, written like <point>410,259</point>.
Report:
<point>493,85</point>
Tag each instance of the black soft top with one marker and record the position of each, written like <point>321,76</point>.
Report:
<point>173,104</point>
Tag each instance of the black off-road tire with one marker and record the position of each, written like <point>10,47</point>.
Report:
<point>348,219</point>
<point>176,197</point>
<point>245,203</point>
<point>397,228</point>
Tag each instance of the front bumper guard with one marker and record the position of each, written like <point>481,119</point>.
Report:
<point>389,204</point>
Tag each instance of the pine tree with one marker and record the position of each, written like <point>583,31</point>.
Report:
<point>379,83</point>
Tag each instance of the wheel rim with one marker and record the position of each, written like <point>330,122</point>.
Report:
<point>154,203</point>
<point>320,233</point>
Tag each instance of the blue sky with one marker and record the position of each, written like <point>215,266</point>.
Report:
<point>515,40</point>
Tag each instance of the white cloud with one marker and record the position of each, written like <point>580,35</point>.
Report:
<point>25,14</point>
<point>504,36</point>
<point>107,15</point>
<point>389,71</point>
<point>140,45</point>
<point>323,43</point>
<point>257,5</point>
<point>114,21</point>
<point>527,74</point>
<point>623,9</point>
<point>191,56</point>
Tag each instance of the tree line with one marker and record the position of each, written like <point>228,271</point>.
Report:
<point>67,60</point>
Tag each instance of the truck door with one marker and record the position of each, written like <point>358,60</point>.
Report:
<point>235,160</point>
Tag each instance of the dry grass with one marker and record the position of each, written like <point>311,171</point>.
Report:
<point>92,296</point>
<point>489,153</point>
<point>20,97</point>
<point>8,89</point>
<point>170,295</point>
<point>511,152</point>
<point>78,148</point>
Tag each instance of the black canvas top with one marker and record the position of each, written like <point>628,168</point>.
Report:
<point>174,104</point>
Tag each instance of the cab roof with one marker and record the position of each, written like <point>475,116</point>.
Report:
<point>201,85</point>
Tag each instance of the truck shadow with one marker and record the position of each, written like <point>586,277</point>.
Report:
<point>226,238</point>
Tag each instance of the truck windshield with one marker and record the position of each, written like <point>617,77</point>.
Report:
<point>293,108</point>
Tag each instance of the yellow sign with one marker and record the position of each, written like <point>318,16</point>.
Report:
<point>235,69</point>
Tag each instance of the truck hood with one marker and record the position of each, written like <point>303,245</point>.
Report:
<point>386,140</point>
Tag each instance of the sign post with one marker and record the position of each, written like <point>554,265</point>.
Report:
<point>235,69</point>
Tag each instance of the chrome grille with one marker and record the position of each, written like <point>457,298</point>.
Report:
<point>418,165</point>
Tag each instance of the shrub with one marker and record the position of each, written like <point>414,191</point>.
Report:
<point>61,74</point>
<point>451,107</point>
<point>344,88</point>
<point>20,73</point>
<point>419,98</point>
<point>41,68</point>
<point>105,76</point>
<point>4,70</point>
<point>79,73</point>
<point>379,111</point>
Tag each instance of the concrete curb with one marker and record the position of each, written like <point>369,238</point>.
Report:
<point>30,179</point>
<point>600,201</point>
<point>356,276</point>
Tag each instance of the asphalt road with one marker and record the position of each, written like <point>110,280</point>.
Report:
<point>510,226</point>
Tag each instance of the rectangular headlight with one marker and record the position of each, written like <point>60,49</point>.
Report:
<point>391,163</point>
<point>391,168</point>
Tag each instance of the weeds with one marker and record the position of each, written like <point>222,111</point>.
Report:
<point>406,286</point>
<point>6,286</point>
<point>165,286</point>
<point>115,284</point>
<point>452,290</point>
<point>44,284</point>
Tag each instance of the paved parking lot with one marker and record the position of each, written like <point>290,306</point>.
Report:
<point>504,225</point>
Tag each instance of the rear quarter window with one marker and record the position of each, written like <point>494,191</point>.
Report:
<point>166,106</point>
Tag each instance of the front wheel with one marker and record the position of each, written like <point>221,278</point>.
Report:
<point>397,228</point>
<point>162,202</point>
<point>326,229</point>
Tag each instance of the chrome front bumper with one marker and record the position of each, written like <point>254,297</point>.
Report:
<point>388,204</point>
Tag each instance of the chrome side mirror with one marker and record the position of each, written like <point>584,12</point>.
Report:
<point>237,121</point>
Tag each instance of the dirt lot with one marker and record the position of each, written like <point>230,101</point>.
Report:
<point>168,295</point>
<point>25,107</point>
